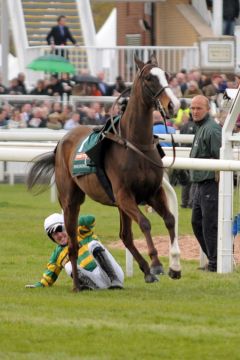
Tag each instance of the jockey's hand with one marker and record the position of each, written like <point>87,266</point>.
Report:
<point>32,286</point>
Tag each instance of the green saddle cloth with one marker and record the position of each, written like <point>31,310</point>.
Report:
<point>90,151</point>
<point>82,164</point>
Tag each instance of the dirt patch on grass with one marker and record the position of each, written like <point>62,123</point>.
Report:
<point>188,245</point>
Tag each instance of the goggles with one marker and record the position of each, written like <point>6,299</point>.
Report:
<point>55,228</point>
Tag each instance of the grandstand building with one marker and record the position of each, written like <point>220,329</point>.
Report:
<point>160,23</point>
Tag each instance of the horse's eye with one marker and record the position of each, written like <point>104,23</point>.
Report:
<point>148,77</point>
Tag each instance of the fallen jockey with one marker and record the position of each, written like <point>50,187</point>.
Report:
<point>97,268</point>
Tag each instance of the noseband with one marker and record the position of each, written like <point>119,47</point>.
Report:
<point>154,97</point>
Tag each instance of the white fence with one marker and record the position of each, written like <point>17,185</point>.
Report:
<point>14,152</point>
<point>21,99</point>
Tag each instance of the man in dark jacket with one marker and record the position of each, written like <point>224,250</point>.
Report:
<point>206,145</point>
<point>60,34</point>
<point>230,14</point>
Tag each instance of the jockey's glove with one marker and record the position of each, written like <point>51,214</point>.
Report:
<point>32,286</point>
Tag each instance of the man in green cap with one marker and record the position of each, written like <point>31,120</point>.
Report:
<point>97,268</point>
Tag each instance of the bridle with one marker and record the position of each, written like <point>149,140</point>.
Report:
<point>155,96</point>
<point>140,149</point>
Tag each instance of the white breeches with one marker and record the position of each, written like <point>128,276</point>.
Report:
<point>98,276</point>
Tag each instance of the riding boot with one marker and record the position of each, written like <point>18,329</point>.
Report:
<point>103,260</point>
<point>85,282</point>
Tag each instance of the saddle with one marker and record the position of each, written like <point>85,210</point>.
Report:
<point>90,153</point>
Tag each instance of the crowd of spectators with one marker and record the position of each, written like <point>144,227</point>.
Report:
<point>186,85</point>
<point>57,85</point>
<point>53,115</point>
<point>57,115</point>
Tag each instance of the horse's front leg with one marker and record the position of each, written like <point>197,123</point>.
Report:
<point>127,238</point>
<point>70,200</point>
<point>129,210</point>
<point>70,218</point>
<point>160,205</point>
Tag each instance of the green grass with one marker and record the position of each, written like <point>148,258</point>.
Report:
<point>196,317</point>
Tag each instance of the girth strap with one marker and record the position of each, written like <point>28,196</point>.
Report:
<point>124,142</point>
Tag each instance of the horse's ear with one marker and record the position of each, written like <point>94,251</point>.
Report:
<point>153,60</point>
<point>139,63</point>
<point>168,76</point>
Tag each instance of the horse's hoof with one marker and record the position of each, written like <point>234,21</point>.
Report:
<point>150,278</point>
<point>157,270</point>
<point>173,274</point>
<point>82,288</point>
<point>85,288</point>
<point>75,289</point>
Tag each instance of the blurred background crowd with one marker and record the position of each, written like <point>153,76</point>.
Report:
<point>58,114</point>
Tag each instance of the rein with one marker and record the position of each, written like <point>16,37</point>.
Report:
<point>116,137</point>
<point>159,107</point>
<point>127,144</point>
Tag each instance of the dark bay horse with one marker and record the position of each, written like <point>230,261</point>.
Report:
<point>135,172</point>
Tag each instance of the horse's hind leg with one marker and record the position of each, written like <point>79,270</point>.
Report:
<point>160,205</point>
<point>70,200</point>
<point>127,237</point>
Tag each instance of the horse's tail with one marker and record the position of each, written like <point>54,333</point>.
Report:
<point>41,172</point>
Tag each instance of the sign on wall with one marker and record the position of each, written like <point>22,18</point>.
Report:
<point>217,54</point>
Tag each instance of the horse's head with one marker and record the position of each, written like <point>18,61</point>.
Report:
<point>155,85</point>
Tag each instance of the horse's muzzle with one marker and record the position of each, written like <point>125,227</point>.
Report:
<point>172,109</point>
